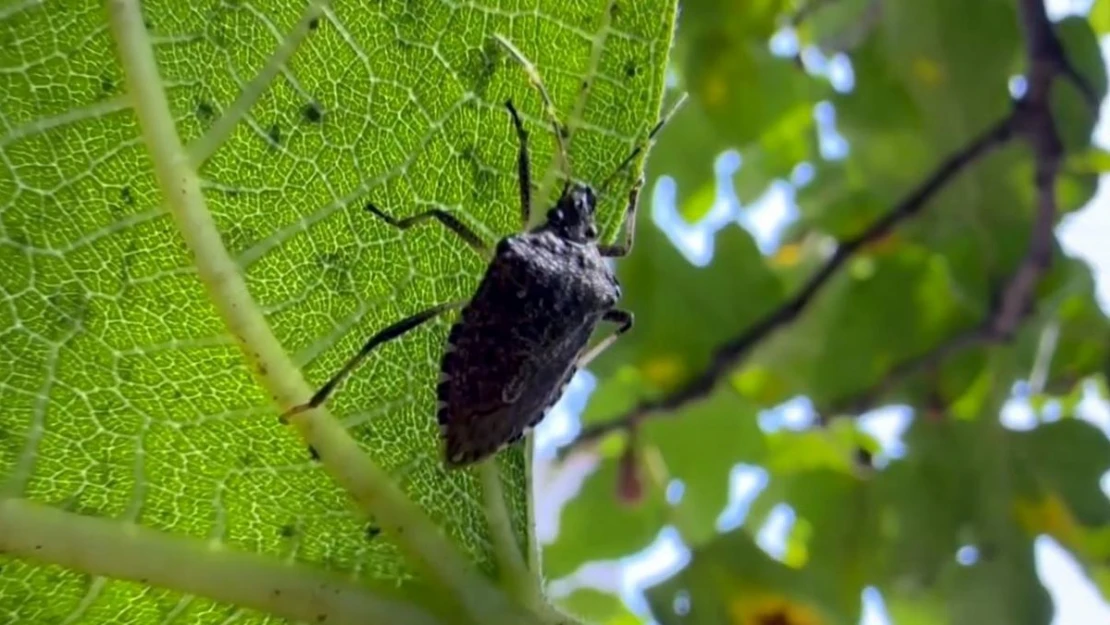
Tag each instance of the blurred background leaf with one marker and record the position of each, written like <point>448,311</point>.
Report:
<point>873,455</point>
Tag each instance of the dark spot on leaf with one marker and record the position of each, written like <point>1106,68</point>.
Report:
<point>205,112</point>
<point>107,85</point>
<point>630,69</point>
<point>238,237</point>
<point>336,273</point>
<point>615,11</point>
<point>67,308</point>
<point>312,113</point>
<point>149,25</point>
<point>274,134</point>
<point>277,592</point>
<point>775,618</point>
<point>320,618</point>
<point>37,547</point>
<point>247,460</point>
<point>125,195</point>
<point>312,453</point>
<point>863,457</point>
<point>263,369</point>
<point>482,177</point>
<point>372,532</point>
<point>483,63</point>
<point>314,23</point>
<point>287,531</point>
<point>144,580</point>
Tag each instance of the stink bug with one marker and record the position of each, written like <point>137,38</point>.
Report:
<point>523,334</point>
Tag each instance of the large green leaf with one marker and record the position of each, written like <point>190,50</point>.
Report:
<point>125,396</point>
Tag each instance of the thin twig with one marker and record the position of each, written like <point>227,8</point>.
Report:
<point>1032,120</point>
<point>1034,123</point>
<point>728,355</point>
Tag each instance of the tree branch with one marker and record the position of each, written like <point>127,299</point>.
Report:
<point>728,355</point>
<point>1031,119</point>
<point>1034,123</point>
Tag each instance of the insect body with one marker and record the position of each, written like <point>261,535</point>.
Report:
<point>523,334</point>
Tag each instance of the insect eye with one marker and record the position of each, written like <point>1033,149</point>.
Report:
<point>556,215</point>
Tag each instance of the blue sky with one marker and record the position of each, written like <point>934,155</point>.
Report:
<point>1084,234</point>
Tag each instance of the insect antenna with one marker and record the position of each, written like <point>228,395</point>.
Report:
<point>548,105</point>
<point>645,143</point>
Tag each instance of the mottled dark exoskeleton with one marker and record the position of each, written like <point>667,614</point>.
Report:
<point>523,334</point>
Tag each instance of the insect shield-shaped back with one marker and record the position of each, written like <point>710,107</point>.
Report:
<point>523,334</point>
<point>519,340</point>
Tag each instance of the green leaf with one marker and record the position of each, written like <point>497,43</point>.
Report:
<point>596,525</point>
<point>834,26</point>
<point>1092,161</point>
<point>599,608</point>
<point>742,97</point>
<point>1074,114</point>
<point>126,397</point>
<point>732,581</point>
<point>1100,16</point>
<point>683,311</point>
<point>698,446</point>
<point>917,102</point>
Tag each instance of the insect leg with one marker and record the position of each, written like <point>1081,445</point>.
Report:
<point>616,315</point>
<point>522,166</point>
<point>383,336</point>
<point>445,218</point>
<point>548,105</point>
<point>623,248</point>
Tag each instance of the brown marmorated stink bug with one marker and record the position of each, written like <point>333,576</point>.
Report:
<point>524,333</point>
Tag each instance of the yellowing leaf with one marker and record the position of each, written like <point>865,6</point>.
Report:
<point>760,384</point>
<point>757,608</point>
<point>788,255</point>
<point>1047,516</point>
<point>928,71</point>
<point>714,91</point>
<point>663,372</point>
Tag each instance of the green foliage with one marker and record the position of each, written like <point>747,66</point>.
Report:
<point>900,323</point>
<point>125,396</point>
<point>127,400</point>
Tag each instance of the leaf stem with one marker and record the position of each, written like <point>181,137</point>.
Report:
<point>118,550</point>
<point>202,148</point>
<point>535,551</point>
<point>514,573</point>
<point>517,578</point>
<point>371,488</point>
